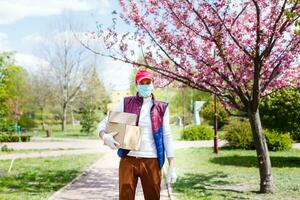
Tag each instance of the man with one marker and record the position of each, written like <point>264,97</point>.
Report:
<point>156,141</point>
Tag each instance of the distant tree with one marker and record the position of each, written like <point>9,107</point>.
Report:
<point>14,90</point>
<point>5,61</point>
<point>19,92</point>
<point>208,113</point>
<point>92,101</point>
<point>281,111</point>
<point>88,119</point>
<point>70,64</point>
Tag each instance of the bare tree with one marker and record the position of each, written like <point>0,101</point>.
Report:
<point>70,64</point>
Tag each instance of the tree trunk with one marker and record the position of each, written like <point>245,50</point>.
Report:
<point>43,120</point>
<point>263,158</point>
<point>64,119</point>
<point>73,120</point>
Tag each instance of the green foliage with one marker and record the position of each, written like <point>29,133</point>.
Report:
<point>13,90</point>
<point>27,123</point>
<point>7,127</point>
<point>278,141</point>
<point>294,16</point>
<point>197,132</point>
<point>207,112</point>
<point>281,111</point>
<point>238,134</point>
<point>88,119</point>
<point>14,138</point>
<point>25,138</point>
<point>5,76</point>
<point>180,101</point>
<point>49,118</point>
<point>5,148</point>
<point>95,94</point>
<point>92,101</point>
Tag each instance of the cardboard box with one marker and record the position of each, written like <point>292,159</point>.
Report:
<point>129,135</point>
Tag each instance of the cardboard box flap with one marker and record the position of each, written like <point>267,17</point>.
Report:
<point>122,118</point>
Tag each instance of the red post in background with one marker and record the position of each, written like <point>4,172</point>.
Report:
<point>215,126</point>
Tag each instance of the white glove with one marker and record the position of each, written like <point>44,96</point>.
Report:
<point>109,140</point>
<point>172,175</point>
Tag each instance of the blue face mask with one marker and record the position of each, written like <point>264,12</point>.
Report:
<point>145,90</point>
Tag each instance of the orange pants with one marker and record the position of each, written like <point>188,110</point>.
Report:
<point>150,175</point>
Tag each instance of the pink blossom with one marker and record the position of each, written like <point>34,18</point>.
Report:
<point>205,47</point>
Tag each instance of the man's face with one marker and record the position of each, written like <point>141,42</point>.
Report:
<point>145,81</point>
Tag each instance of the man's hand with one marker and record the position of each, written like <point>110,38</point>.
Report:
<point>109,140</point>
<point>171,174</point>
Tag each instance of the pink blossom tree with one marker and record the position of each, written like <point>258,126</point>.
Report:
<point>239,50</point>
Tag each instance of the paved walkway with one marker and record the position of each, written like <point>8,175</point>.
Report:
<point>80,146</point>
<point>296,145</point>
<point>76,146</point>
<point>48,143</point>
<point>50,153</point>
<point>100,181</point>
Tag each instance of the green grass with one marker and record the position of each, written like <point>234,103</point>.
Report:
<point>70,132</point>
<point>234,175</point>
<point>37,178</point>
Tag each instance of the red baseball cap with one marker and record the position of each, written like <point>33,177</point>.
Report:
<point>143,74</point>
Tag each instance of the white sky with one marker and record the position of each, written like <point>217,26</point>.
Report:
<point>23,24</point>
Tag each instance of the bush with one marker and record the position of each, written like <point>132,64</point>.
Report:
<point>197,132</point>
<point>238,134</point>
<point>5,148</point>
<point>25,138</point>
<point>14,138</point>
<point>27,122</point>
<point>7,127</point>
<point>278,141</point>
<point>207,112</point>
<point>281,111</point>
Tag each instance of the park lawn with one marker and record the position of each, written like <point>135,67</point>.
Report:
<point>70,132</point>
<point>233,174</point>
<point>37,178</point>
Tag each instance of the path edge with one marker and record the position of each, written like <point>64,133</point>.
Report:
<point>84,173</point>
